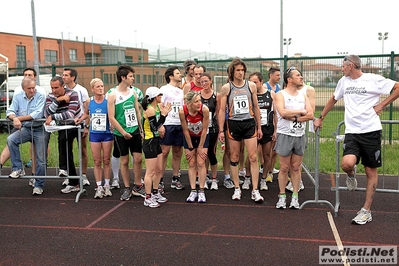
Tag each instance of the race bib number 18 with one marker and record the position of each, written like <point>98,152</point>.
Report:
<point>131,118</point>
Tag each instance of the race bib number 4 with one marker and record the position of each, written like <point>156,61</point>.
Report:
<point>99,122</point>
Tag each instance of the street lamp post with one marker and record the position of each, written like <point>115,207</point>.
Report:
<point>382,37</point>
<point>287,41</point>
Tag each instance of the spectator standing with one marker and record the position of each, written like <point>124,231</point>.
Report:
<point>62,107</point>
<point>70,77</point>
<point>361,93</point>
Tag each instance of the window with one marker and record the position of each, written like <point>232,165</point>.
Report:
<point>129,59</point>
<point>50,56</point>
<point>72,55</point>
<point>137,79</point>
<point>21,57</point>
<point>92,58</point>
<point>144,79</point>
<point>106,81</point>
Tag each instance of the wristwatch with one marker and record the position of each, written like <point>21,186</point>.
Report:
<point>191,149</point>
<point>87,126</point>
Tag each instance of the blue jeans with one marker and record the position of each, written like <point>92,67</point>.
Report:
<point>40,138</point>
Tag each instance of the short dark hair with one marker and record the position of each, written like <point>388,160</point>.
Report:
<point>258,74</point>
<point>31,69</point>
<point>288,73</point>
<point>59,79</point>
<point>201,66</point>
<point>123,71</point>
<point>169,72</point>
<point>272,70</point>
<point>73,72</point>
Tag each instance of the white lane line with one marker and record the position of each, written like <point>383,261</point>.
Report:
<point>337,238</point>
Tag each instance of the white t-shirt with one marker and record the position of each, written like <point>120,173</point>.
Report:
<point>175,96</point>
<point>360,96</point>
<point>83,96</point>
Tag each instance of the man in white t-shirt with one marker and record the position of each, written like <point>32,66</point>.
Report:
<point>361,93</point>
<point>171,132</point>
<point>70,76</point>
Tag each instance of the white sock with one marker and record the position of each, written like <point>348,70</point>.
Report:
<point>115,162</point>
<point>106,182</point>
<point>98,183</point>
<point>226,177</point>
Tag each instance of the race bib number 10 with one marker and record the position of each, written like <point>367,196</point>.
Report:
<point>241,105</point>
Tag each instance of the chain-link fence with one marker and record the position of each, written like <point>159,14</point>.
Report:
<point>322,73</point>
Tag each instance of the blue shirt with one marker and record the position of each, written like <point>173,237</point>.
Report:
<point>270,87</point>
<point>21,106</point>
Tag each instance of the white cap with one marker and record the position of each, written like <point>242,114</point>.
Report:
<point>153,92</point>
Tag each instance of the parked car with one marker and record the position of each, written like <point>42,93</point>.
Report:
<point>3,99</point>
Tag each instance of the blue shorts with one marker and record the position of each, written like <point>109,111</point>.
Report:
<point>173,136</point>
<point>101,137</point>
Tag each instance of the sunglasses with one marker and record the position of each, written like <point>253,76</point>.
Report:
<point>347,59</point>
<point>290,69</point>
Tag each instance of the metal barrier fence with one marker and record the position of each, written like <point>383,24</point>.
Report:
<point>51,157</point>
<point>310,164</point>
<point>388,181</point>
<point>321,72</point>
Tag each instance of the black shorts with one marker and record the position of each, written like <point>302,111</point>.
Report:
<point>151,148</point>
<point>365,146</point>
<point>195,141</point>
<point>239,130</point>
<point>267,134</point>
<point>124,145</point>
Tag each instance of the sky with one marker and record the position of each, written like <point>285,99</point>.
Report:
<point>248,28</point>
